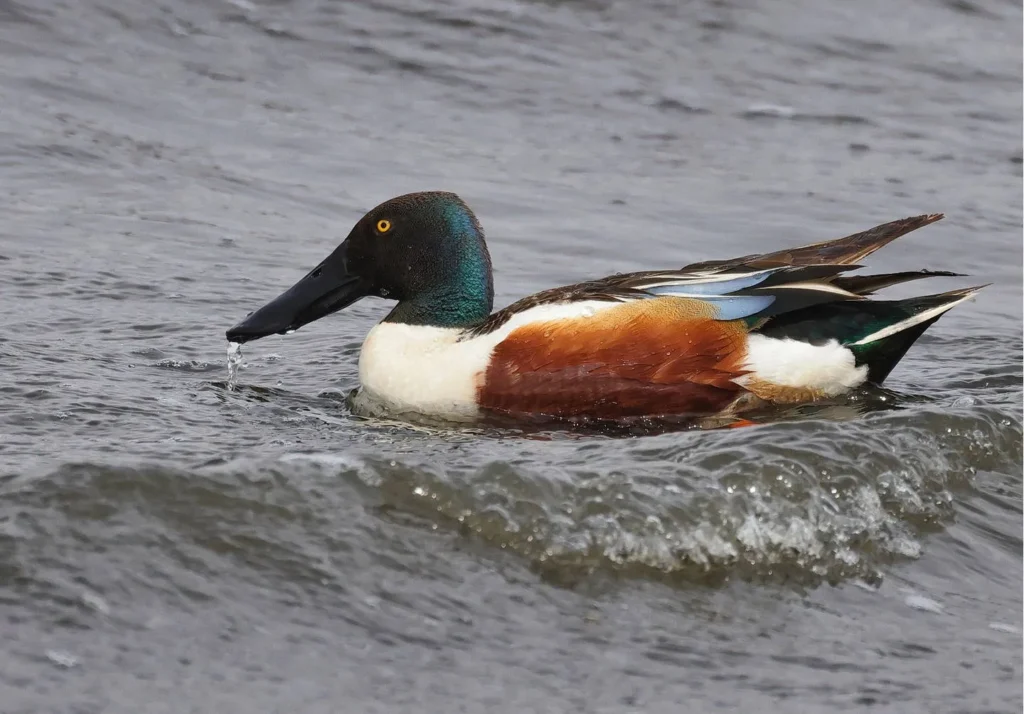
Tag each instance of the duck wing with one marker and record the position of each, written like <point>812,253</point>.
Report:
<point>753,287</point>
<point>840,251</point>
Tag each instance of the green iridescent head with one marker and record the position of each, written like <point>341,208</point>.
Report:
<point>425,250</point>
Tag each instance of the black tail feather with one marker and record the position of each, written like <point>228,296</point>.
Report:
<point>883,355</point>
<point>868,284</point>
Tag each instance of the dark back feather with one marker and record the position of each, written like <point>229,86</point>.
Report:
<point>801,277</point>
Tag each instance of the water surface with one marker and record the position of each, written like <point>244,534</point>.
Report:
<point>170,545</point>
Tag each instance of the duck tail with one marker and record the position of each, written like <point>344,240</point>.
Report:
<point>869,284</point>
<point>897,326</point>
<point>877,332</point>
<point>852,248</point>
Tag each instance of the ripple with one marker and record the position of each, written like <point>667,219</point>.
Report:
<point>807,502</point>
<point>775,111</point>
<point>799,503</point>
<point>190,365</point>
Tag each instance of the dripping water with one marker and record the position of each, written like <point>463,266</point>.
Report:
<point>234,362</point>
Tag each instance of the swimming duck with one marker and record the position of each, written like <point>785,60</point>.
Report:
<point>712,338</point>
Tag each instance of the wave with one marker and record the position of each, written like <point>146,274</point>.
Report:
<point>801,502</point>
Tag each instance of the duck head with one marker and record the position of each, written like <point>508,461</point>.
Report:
<point>425,250</point>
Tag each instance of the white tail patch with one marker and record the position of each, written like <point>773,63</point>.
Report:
<point>828,369</point>
<point>915,320</point>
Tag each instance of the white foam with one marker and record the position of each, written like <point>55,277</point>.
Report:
<point>920,602</point>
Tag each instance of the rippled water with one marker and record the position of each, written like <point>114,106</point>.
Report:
<point>168,543</point>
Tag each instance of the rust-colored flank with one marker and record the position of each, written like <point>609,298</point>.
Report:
<point>659,357</point>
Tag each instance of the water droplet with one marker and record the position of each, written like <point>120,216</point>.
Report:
<point>234,362</point>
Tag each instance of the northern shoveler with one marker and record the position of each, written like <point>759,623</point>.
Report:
<point>713,338</point>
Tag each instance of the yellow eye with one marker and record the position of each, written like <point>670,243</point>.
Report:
<point>383,225</point>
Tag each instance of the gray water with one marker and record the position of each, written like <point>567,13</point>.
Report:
<point>168,544</point>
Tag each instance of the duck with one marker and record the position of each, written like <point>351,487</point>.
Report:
<point>711,339</point>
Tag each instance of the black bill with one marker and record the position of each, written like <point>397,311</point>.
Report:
<point>327,288</point>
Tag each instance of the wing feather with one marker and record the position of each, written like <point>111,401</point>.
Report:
<point>753,287</point>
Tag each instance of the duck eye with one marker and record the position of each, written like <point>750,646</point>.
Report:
<point>383,225</point>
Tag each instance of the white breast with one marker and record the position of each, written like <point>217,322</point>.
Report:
<point>414,368</point>
<point>428,370</point>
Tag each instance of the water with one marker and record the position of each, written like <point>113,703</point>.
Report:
<point>169,543</point>
<point>234,363</point>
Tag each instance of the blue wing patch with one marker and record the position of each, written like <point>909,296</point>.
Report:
<point>736,307</point>
<point>710,287</point>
